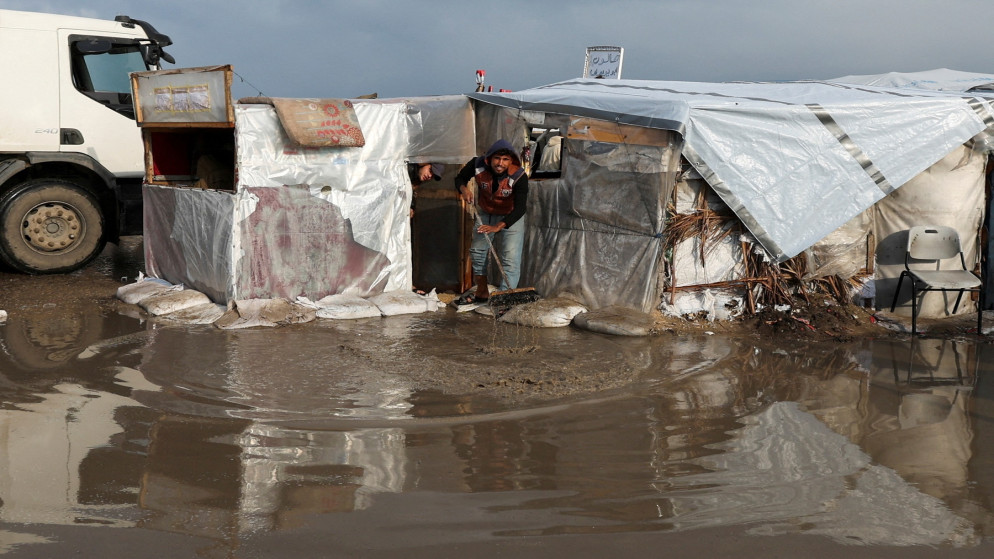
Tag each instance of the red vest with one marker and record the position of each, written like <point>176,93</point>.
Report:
<point>499,200</point>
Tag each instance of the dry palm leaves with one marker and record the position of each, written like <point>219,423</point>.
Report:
<point>765,283</point>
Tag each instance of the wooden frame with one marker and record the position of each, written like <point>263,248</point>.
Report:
<point>184,98</point>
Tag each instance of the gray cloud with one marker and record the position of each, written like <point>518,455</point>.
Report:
<point>311,48</point>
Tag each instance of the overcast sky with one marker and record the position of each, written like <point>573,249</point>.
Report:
<point>396,48</point>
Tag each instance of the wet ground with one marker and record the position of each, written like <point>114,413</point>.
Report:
<point>443,435</point>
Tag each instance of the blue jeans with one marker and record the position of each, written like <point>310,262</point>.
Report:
<point>508,243</point>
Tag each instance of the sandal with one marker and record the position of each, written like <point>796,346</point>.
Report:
<point>469,298</point>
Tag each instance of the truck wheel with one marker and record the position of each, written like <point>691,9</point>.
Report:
<point>50,226</point>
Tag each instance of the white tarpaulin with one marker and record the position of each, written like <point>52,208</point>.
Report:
<point>942,79</point>
<point>794,161</point>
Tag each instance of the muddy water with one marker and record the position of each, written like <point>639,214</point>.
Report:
<point>442,435</point>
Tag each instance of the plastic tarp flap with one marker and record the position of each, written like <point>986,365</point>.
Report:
<point>950,193</point>
<point>798,182</point>
<point>188,238</point>
<point>793,160</point>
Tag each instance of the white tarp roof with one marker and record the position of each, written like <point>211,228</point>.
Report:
<point>795,160</point>
<point>941,79</point>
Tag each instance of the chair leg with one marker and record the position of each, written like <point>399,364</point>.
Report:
<point>980,312</point>
<point>914,309</point>
<point>893,302</point>
<point>958,299</point>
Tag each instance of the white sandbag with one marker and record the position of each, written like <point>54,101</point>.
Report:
<point>3,317</point>
<point>172,301</point>
<point>344,307</point>
<point>616,321</point>
<point>544,313</point>
<point>405,302</point>
<point>134,293</point>
<point>205,313</point>
<point>247,313</point>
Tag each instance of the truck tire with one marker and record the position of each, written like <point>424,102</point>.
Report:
<point>50,226</point>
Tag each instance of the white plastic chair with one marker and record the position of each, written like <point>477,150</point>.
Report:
<point>936,243</point>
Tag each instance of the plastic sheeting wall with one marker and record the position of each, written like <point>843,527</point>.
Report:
<point>188,238</point>
<point>306,221</point>
<point>842,252</point>
<point>597,231</point>
<point>367,186</point>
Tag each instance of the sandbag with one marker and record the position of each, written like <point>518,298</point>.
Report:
<point>134,293</point>
<point>405,302</point>
<point>345,307</point>
<point>205,313</point>
<point>544,313</point>
<point>172,301</point>
<point>617,321</point>
<point>248,313</point>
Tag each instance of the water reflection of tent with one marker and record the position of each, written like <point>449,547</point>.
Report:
<point>788,472</point>
<point>824,170</point>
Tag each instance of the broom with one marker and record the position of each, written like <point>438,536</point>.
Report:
<point>502,301</point>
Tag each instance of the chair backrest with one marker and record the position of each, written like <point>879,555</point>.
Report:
<point>933,242</point>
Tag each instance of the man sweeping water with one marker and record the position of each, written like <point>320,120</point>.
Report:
<point>499,204</point>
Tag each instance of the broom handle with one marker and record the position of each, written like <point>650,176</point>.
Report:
<point>490,243</point>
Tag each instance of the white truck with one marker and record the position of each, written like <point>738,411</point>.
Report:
<point>71,154</point>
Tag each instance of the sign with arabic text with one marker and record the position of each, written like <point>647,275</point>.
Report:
<point>603,62</point>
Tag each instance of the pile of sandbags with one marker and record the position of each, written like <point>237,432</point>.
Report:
<point>161,298</point>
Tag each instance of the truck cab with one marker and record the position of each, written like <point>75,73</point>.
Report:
<point>71,154</point>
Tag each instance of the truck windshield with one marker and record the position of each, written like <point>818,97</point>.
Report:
<point>104,74</point>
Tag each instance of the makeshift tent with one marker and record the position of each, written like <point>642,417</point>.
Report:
<point>236,209</point>
<point>794,162</point>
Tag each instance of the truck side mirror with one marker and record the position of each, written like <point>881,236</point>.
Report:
<point>152,53</point>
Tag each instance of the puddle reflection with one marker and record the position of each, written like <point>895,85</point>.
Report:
<point>881,442</point>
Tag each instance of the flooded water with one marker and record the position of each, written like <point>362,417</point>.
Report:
<point>121,436</point>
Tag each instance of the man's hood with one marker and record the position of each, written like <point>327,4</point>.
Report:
<point>499,145</point>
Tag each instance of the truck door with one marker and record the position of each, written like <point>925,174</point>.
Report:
<point>96,110</point>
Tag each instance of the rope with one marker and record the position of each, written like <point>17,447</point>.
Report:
<point>245,81</point>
